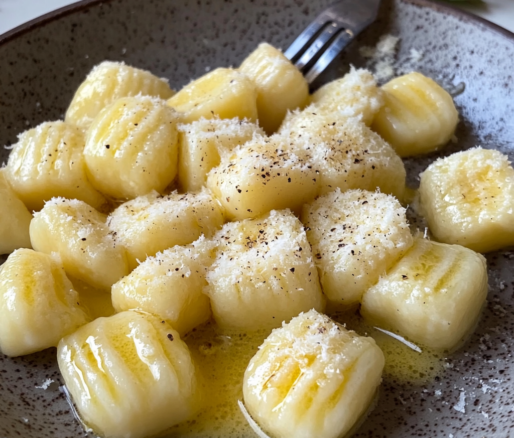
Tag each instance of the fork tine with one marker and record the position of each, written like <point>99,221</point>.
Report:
<point>328,56</point>
<point>295,49</point>
<point>328,32</point>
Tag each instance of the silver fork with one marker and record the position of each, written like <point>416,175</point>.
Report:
<point>330,32</point>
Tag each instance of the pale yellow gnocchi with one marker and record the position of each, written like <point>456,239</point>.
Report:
<point>48,161</point>
<point>280,85</point>
<point>263,175</point>
<point>153,223</point>
<point>263,273</point>
<point>38,303</point>
<point>354,95</point>
<point>418,115</point>
<point>312,378</point>
<point>80,235</point>
<point>132,147</point>
<point>170,285</point>
<point>110,81</point>
<point>223,93</point>
<point>130,375</point>
<point>346,153</point>
<point>356,236</point>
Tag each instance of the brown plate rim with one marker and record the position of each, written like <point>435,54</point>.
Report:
<point>84,4</point>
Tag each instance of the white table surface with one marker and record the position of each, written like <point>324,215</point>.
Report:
<point>16,12</point>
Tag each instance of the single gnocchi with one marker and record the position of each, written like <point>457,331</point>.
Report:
<point>418,115</point>
<point>132,147</point>
<point>153,223</point>
<point>263,273</point>
<point>48,162</point>
<point>312,378</point>
<point>80,235</point>
<point>170,285</point>
<point>356,237</point>
<point>38,303</point>
<point>280,85</point>
<point>223,93</point>
<point>130,375</point>
<point>108,82</point>
<point>354,95</point>
<point>263,175</point>
<point>468,199</point>
<point>433,296</point>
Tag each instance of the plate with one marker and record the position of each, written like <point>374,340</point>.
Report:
<point>45,60</point>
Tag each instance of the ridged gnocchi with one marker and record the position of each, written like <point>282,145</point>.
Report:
<point>108,82</point>
<point>346,153</point>
<point>130,375</point>
<point>153,223</point>
<point>468,199</point>
<point>201,144</point>
<point>47,162</point>
<point>263,175</point>
<point>88,249</point>
<point>433,295</point>
<point>37,302</point>
<point>354,95</point>
<point>170,285</point>
<point>355,236</point>
<point>280,85</point>
<point>263,273</point>
<point>223,93</point>
<point>132,147</point>
<point>312,378</point>
<point>418,115</point>
<point>14,226</point>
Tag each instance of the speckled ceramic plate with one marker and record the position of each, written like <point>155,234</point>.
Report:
<point>43,62</point>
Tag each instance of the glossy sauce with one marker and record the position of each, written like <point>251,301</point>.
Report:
<point>223,356</point>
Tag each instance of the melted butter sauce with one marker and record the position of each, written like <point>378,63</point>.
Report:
<point>402,363</point>
<point>222,357</point>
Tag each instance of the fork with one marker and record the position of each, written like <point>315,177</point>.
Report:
<point>330,32</point>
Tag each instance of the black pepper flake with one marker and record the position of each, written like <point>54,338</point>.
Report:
<point>170,336</point>
<point>404,277</point>
<point>83,239</point>
<point>107,146</point>
<point>292,270</point>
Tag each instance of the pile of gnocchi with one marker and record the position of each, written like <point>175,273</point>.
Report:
<point>244,200</point>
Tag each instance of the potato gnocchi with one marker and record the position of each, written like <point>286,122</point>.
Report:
<point>263,175</point>
<point>223,93</point>
<point>280,86</point>
<point>468,199</point>
<point>433,296</point>
<point>132,147</point>
<point>130,375</point>
<point>79,234</point>
<point>312,378</point>
<point>356,236</point>
<point>153,223</point>
<point>47,162</point>
<point>170,285</point>
<point>108,82</point>
<point>263,273</point>
<point>37,302</point>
